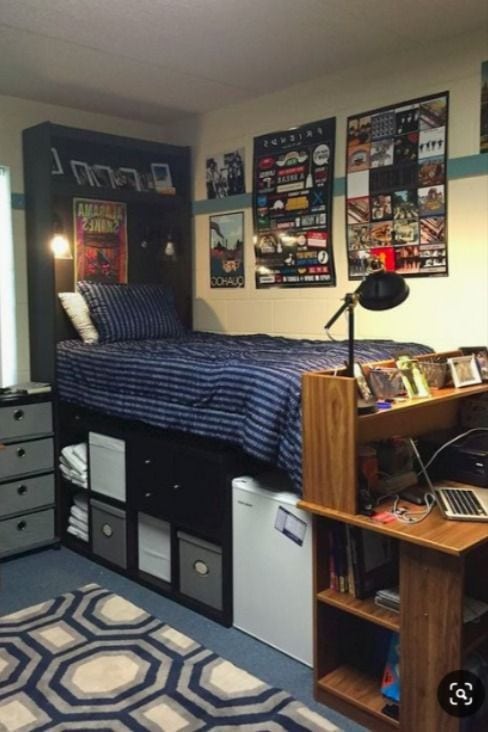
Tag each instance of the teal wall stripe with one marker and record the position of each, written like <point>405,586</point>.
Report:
<point>465,167</point>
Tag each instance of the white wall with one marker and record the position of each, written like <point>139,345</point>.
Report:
<point>443,312</point>
<point>16,115</point>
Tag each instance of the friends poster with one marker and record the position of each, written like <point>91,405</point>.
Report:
<point>293,175</point>
<point>396,192</point>
<point>100,240</point>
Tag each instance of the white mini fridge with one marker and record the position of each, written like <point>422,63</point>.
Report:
<point>272,560</point>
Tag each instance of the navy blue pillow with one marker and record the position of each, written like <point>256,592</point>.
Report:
<point>131,312</point>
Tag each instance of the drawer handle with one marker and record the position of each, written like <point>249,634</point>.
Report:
<point>22,490</point>
<point>20,452</point>
<point>147,461</point>
<point>176,487</point>
<point>21,525</point>
<point>201,567</point>
<point>18,415</point>
<point>148,494</point>
<point>107,530</point>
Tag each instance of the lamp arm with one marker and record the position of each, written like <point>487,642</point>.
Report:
<point>350,300</point>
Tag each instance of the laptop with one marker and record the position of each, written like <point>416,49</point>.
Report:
<point>462,504</point>
<point>456,502</point>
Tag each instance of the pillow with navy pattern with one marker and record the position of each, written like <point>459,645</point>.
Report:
<point>131,312</point>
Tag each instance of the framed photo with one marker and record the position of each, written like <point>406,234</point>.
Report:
<point>103,176</point>
<point>362,382</point>
<point>464,370</point>
<point>56,167</point>
<point>81,171</point>
<point>163,182</point>
<point>226,239</point>
<point>127,178</point>
<point>481,355</point>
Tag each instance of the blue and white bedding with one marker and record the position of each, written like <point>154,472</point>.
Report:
<point>245,390</point>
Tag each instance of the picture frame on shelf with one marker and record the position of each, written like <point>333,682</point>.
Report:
<point>81,172</point>
<point>127,179</point>
<point>163,182</point>
<point>481,355</point>
<point>364,388</point>
<point>56,167</point>
<point>464,370</point>
<point>103,176</point>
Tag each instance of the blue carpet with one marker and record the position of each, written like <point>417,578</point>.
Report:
<point>43,575</point>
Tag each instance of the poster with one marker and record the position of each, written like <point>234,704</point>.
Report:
<point>484,108</point>
<point>292,206</point>
<point>225,174</point>
<point>396,207</point>
<point>227,250</point>
<point>100,240</point>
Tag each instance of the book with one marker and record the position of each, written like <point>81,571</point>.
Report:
<point>31,387</point>
<point>374,564</point>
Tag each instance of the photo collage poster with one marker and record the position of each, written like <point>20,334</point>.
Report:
<point>100,229</point>
<point>396,189</point>
<point>293,175</point>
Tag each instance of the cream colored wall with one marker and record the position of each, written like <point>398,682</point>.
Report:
<point>16,115</point>
<point>443,312</point>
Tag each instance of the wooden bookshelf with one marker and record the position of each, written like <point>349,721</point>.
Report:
<point>438,560</point>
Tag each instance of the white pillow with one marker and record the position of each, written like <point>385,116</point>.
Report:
<point>75,306</point>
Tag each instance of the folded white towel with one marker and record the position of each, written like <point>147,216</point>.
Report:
<point>74,477</point>
<point>81,525</point>
<point>79,513</point>
<point>76,532</point>
<point>80,450</point>
<point>71,453</point>
<point>64,463</point>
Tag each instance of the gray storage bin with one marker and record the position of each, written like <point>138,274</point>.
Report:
<point>25,495</point>
<point>154,546</point>
<point>200,570</point>
<point>26,532</point>
<point>25,420</point>
<point>26,457</point>
<point>108,526</point>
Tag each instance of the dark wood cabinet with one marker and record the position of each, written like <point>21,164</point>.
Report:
<point>152,218</point>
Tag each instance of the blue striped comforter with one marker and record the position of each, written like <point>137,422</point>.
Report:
<point>241,389</point>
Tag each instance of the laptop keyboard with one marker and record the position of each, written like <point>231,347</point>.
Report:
<point>464,503</point>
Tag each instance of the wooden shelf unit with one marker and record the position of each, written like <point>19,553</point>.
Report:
<point>438,560</point>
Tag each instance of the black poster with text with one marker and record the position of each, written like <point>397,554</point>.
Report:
<point>293,175</point>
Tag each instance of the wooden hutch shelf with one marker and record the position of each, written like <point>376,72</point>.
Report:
<point>439,562</point>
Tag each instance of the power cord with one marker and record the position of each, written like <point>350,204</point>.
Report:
<point>446,444</point>
<point>413,517</point>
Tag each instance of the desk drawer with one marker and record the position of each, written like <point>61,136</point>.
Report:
<point>25,495</point>
<point>27,419</point>
<point>23,532</point>
<point>26,457</point>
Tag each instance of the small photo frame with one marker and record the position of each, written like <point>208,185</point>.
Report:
<point>464,370</point>
<point>163,183</point>
<point>481,355</point>
<point>103,176</point>
<point>56,167</point>
<point>81,171</point>
<point>362,382</point>
<point>128,179</point>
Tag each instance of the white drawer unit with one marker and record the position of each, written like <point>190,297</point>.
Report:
<point>27,495</point>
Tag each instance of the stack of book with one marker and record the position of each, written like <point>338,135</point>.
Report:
<point>360,562</point>
<point>388,598</point>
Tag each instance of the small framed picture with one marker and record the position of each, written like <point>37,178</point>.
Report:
<point>163,182</point>
<point>56,167</point>
<point>362,382</point>
<point>464,370</point>
<point>103,176</point>
<point>127,178</point>
<point>481,355</point>
<point>81,171</point>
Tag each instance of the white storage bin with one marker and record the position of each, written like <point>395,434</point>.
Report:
<point>154,546</point>
<point>107,465</point>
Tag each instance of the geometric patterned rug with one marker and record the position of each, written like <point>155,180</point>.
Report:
<point>90,660</point>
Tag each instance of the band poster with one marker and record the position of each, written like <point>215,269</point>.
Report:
<point>484,108</point>
<point>396,208</point>
<point>227,250</point>
<point>293,175</point>
<point>100,229</point>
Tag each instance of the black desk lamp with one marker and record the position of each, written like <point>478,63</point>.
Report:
<point>380,290</point>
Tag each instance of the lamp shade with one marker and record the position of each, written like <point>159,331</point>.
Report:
<point>382,290</point>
